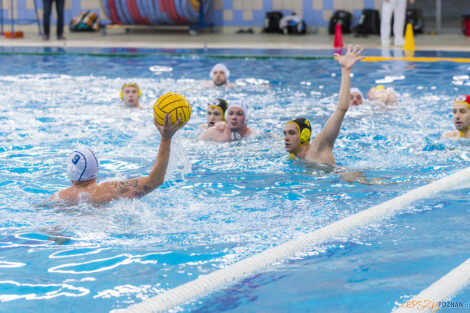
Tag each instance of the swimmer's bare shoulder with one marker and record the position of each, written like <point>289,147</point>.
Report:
<point>451,134</point>
<point>320,152</point>
<point>103,193</point>
<point>215,133</point>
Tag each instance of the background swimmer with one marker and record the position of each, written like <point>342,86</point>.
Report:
<point>234,128</point>
<point>297,132</point>
<point>356,97</point>
<point>130,95</point>
<point>216,111</point>
<point>220,74</point>
<point>461,116</point>
<point>380,94</point>
<point>82,168</point>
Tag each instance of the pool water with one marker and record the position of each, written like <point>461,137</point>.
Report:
<point>222,203</point>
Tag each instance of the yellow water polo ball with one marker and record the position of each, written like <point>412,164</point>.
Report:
<point>174,104</point>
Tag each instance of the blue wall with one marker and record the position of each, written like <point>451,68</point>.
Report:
<point>234,13</point>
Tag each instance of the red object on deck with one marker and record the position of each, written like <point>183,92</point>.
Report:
<point>338,43</point>
<point>14,35</point>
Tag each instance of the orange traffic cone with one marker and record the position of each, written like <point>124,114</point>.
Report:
<point>338,42</point>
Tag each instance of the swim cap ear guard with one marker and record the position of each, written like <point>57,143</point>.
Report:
<point>304,128</point>
<point>133,85</point>
<point>305,134</point>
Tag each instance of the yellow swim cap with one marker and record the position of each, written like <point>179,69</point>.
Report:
<point>220,104</point>
<point>379,87</point>
<point>133,85</point>
<point>305,132</point>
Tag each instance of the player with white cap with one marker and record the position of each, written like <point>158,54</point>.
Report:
<point>235,127</point>
<point>82,169</point>
<point>220,74</point>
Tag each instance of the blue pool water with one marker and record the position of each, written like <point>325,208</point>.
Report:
<point>224,202</point>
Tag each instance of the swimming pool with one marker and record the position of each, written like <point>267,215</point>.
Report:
<point>223,203</point>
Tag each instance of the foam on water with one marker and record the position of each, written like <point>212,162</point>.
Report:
<point>220,202</point>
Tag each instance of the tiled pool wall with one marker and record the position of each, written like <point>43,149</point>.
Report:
<point>227,13</point>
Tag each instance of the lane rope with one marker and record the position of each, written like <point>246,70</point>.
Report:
<point>441,290</point>
<point>205,284</point>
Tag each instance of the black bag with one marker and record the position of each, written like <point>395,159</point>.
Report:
<point>369,23</point>
<point>342,17</point>
<point>293,24</point>
<point>272,22</point>
<point>415,18</point>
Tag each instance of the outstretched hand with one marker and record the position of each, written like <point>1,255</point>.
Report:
<point>350,58</point>
<point>168,130</point>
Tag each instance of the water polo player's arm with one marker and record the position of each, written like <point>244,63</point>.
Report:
<point>139,187</point>
<point>332,127</point>
<point>327,137</point>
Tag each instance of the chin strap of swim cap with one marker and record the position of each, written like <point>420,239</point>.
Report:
<point>462,133</point>
<point>235,136</point>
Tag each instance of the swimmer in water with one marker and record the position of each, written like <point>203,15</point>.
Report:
<point>356,97</point>
<point>82,169</point>
<point>216,111</point>
<point>297,132</point>
<point>461,116</point>
<point>219,75</point>
<point>382,95</point>
<point>234,128</point>
<point>130,95</point>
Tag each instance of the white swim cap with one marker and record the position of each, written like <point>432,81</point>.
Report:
<point>82,165</point>
<point>220,67</point>
<point>238,104</point>
<point>358,91</point>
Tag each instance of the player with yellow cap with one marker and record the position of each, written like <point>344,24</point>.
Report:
<point>216,111</point>
<point>130,94</point>
<point>297,132</point>
<point>383,95</point>
<point>235,127</point>
<point>461,116</point>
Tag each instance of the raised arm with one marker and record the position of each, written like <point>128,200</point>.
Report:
<point>327,137</point>
<point>139,187</point>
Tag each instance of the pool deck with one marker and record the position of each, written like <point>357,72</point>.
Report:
<point>181,39</point>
